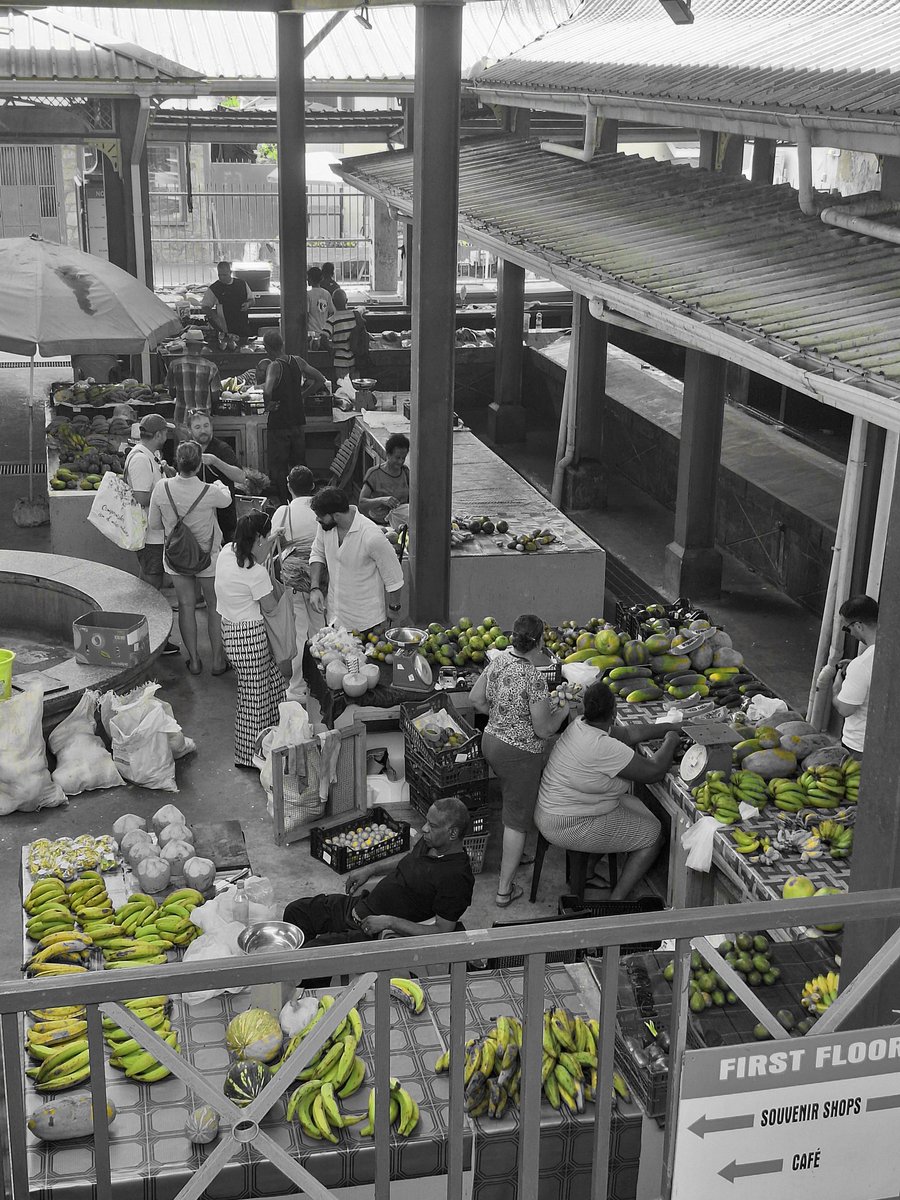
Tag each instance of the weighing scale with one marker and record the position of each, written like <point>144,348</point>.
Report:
<point>711,750</point>
<point>412,673</point>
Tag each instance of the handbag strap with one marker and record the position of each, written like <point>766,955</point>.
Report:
<point>290,523</point>
<point>193,506</point>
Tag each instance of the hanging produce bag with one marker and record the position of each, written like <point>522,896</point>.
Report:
<point>117,514</point>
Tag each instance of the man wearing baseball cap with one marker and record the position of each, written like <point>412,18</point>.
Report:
<point>192,379</point>
<point>143,470</point>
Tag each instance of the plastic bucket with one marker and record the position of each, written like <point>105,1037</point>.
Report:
<point>6,665</point>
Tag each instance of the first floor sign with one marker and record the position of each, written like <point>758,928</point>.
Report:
<point>806,1116</point>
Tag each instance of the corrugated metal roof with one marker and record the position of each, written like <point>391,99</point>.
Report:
<point>224,44</point>
<point>44,45</point>
<point>722,253</point>
<point>798,55</point>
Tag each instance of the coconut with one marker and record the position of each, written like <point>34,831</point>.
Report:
<point>167,815</point>
<point>123,824</point>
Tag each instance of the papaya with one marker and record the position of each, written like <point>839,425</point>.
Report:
<point>628,672</point>
<point>648,692</point>
<point>700,623</point>
<point>658,643</point>
<point>796,727</point>
<point>636,653</point>
<point>666,664</point>
<point>607,641</point>
<point>719,640</point>
<point>604,661</point>
<point>767,737</point>
<point>742,749</point>
<point>582,655</point>
<point>584,641</point>
<point>702,657</point>
<point>735,680</point>
<point>682,693</point>
<point>806,744</point>
<point>772,763</point>
<point>725,656</point>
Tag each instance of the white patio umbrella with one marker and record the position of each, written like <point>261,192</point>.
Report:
<point>56,300</point>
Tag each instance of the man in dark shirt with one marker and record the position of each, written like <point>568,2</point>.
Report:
<point>434,880</point>
<point>289,380</point>
<point>227,302</point>
<point>219,462</point>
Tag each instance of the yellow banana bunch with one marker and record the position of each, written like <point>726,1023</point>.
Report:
<point>67,1066</point>
<point>404,1112</point>
<point>820,993</point>
<point>409,993</point>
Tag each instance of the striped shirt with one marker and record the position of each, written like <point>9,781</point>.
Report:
<point>340,331</point>
<point>192,381</point>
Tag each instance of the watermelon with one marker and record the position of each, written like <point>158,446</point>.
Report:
<point>245,1080</point>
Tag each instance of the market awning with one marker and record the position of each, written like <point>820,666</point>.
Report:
<point>725,265</point>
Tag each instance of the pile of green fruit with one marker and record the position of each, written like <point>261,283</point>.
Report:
<point>720,796</point>
<point>462,643</point>
<point>747,954</point>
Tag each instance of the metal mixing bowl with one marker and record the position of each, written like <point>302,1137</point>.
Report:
<point>264,937</point>
<point>406,635</point>
<point>364,385</point>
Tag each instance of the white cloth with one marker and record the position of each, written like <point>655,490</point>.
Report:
<point>855,690</point>
<point>319,307</point>
<point>581,775</point>
<point>360,570</point>
<point>143,472</point>
<point>239,589</point>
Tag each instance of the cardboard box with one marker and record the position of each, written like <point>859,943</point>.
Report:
<point>108,639</point>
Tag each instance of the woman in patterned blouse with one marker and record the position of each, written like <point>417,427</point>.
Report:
<point>515,696</point>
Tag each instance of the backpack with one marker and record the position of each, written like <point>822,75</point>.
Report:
<point>184,553</point>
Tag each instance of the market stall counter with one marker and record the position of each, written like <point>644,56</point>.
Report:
<point>484,572</point>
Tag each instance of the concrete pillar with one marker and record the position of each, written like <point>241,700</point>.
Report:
<point>876,843</point>
<point>763,169</point>
<point>384,250</point>
<point>730,154</point>
<point>506,417</point>
<point>868,508</point>
<point>435,216</point>
<point>609,136</point>
<point>128,121</point>
<point>292,180</point>
<point>409,135</point>
<point>584,485</point>
<point>693,564</point>
<point>709,142</point>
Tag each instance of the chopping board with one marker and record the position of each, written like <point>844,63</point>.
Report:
<point>223,843</point>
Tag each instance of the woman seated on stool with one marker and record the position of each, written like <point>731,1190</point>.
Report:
<point>584,801</point>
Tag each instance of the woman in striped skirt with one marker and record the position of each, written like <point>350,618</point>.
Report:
<point>584,802</point>
<point>243,594</point>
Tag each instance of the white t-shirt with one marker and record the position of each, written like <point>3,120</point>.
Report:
<point>855,690</point>
<point>239,589</point>
<point>319,307</point>
<point>298,521</point>
<point>581,775</point>
<point>360,570</point>
<point>142,473</point>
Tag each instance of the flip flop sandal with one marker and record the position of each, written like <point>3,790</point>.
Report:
<point>505,899</point>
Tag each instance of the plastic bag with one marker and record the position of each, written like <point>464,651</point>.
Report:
<point>293,729</point>
<point>139,727</point>
<point>582,673</point>
<point>83,763</point>
<point>178,743</point>
<point>761,708</point>
<point>261,894</point>
<point>25,782</point>
<point>698,841</point>
<point>202,949</point>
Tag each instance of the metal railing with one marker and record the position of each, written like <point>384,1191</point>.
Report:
<point>102,994</point>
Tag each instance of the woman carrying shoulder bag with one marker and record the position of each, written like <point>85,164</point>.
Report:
<point>243,593</point>
<point>295,526</point>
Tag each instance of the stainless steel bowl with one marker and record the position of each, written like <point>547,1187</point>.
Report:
<point>406,635</point>
<point>364,385</point>
<point>265,937</point>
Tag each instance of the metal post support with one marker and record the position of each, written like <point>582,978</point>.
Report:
<point>506,415</point>
<point>585,480</point>
<point>876,843</point>
<point>435,219</point>
<point>763,169</point>
<point>133,116</point>
<point>693,564</point>
<point>409,141</point>
<point>868,509</point>
<point>292,180</point>
<point>384,250</point>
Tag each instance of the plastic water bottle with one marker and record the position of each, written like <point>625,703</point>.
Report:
<point>240,907</point>
<point>539,321</point>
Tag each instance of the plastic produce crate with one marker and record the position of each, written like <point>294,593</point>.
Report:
<point>447,765</point>
<point>473,792</point>
<point>571,906</point>
<point>343,858</point>
<point>478,817</point>
<point>476,848</point>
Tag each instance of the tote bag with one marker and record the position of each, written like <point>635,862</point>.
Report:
<point>117,515</point>
<point>280,624</point>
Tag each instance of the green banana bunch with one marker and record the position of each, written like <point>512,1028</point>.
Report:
<point>748,787</point>
<point>788,795</point>
<point>745,843</point>
<point>127,1054</point>
<point>824,786</point>
<point>404,1112</point>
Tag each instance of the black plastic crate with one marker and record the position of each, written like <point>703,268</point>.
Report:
<point>472,788</point>
<point>344,858</point>
<point>440,755</point>
<point>630,617</point>
<point>570,907</point>
<point>478,817</point>
<point>444,775</point>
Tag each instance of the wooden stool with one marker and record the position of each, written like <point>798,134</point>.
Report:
<point>576,868</point>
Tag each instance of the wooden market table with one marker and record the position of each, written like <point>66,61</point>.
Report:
<point>486,578</point>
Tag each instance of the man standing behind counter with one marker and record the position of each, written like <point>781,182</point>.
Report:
<point>227,302</point>
<point>362,565</point>
<point>193,380</point>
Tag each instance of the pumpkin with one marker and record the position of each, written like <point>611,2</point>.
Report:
<point>125,824</point>
<point>153,875</point>
<point>199,873</point>
<point>176,855</point>
<point>254,1034</point>
<point>355,685</point>
<point>244,1081</point>
<point>67,1117</point>
<point>175,833</point>
<point>167,815</point>
<point>202,1125</point>
<point>334,674</point>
